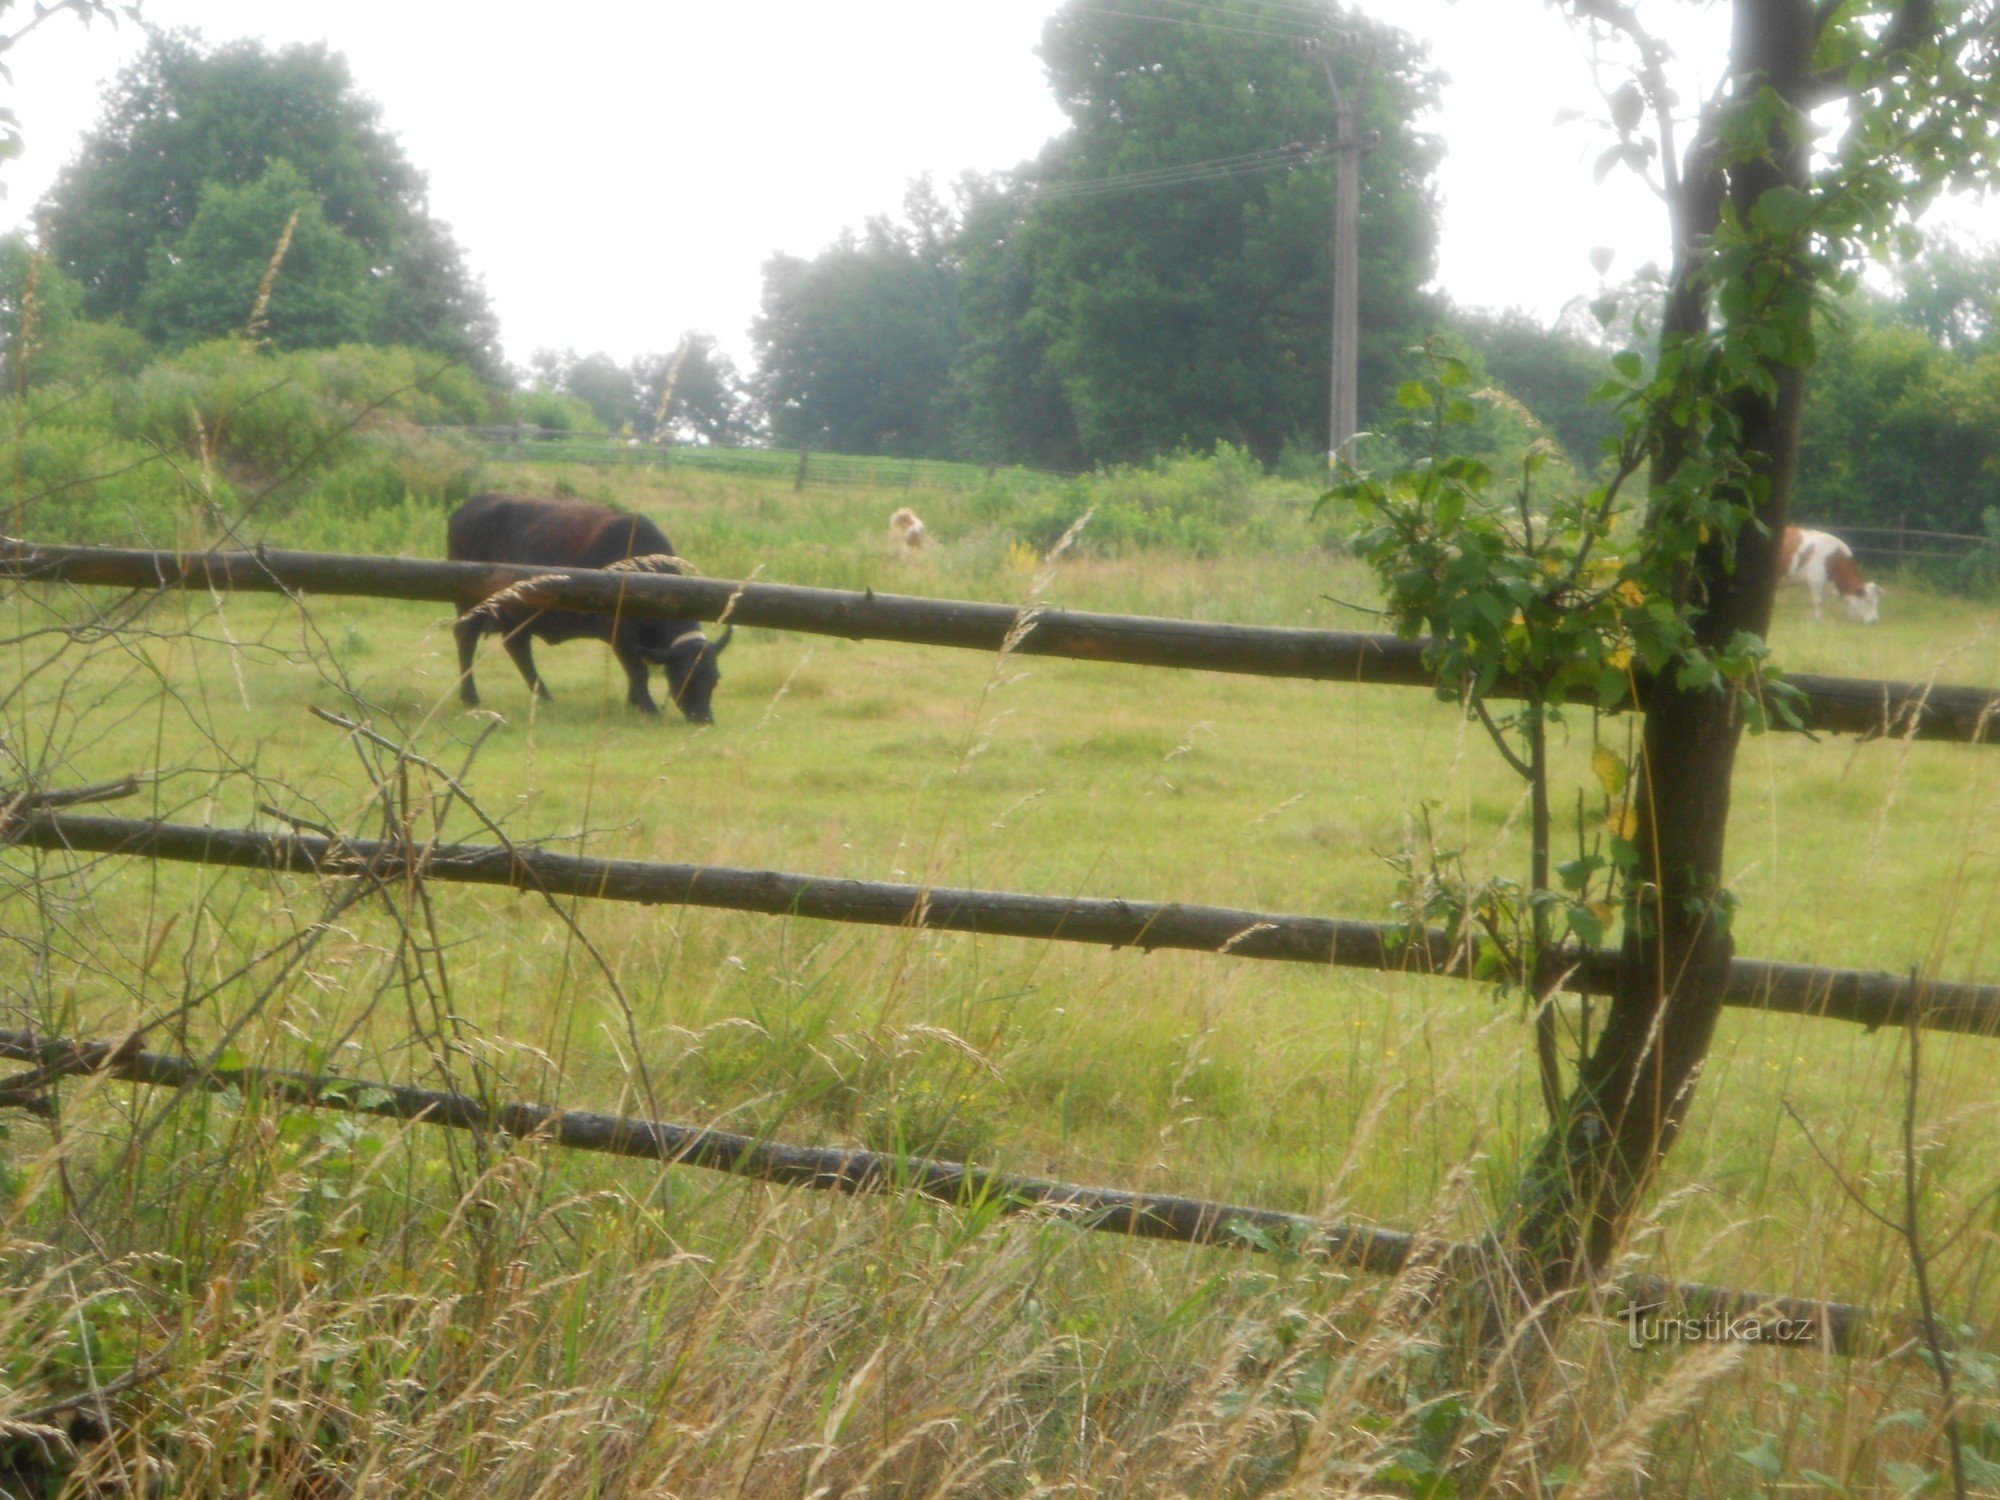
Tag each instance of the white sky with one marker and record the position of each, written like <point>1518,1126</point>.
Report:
<point>618,172</point>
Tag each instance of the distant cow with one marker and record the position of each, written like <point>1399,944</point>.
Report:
<point>573,534</point>
<point>1815,559</point>
<point>906,532</point>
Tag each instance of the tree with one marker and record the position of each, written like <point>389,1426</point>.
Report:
<point>182,119</point>
<point>597,380</point>
<point>1550,371</point>
<point>1900,430</point>
<point>1672,602</point>
<point>1008,401</point>
<point>208,282</point>
<point>709,402</point>
<point>854,347</point>
<point>1952,294</point>
<point>63,347</point>
<point>1761,233</point>
<point>1192,305</point>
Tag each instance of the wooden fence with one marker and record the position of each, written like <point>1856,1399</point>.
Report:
<point>1837,705</point>
<point>1791,1321</point>
<point>1910,710</point>
<point>521,443</point>
<point>1872,999</point>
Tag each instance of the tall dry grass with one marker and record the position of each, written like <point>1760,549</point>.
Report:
<point>218,1295</point>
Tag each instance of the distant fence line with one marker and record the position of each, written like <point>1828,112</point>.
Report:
<point>521,443</point>
<point>1794,1322</point>
<point>1892,546</point>
<point>1871,999</point>
<point>1838,705</point>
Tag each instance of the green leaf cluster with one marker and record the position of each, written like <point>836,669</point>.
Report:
<point>171,211</point>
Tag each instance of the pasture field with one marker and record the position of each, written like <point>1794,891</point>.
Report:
<point>303,1302</point>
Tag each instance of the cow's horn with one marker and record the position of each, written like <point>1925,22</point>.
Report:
<point>722,641</point>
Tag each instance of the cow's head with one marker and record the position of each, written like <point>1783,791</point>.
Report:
<point>1866,606</point>
<point>692,672</point>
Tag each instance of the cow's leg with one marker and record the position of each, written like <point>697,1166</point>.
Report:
<point>1818,587</point>
<point>640,697</point>
<point>468,629</point>
<point>521,646</point>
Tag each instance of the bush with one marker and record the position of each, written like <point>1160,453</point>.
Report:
<point>80,483</point>
<point>554,410</point>
<point>1198,503</point>
<point>140,458</point>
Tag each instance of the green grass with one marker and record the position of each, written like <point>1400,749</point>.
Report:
<point>683,1329</point>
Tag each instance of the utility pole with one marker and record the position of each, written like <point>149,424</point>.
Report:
<point>1349,142</point>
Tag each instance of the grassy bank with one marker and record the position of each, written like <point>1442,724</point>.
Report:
<point>336,1305</point>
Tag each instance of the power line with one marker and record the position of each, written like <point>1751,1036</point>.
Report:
<point>1316,16</point>
<point>1135,15</point>
<point>1293,154</point>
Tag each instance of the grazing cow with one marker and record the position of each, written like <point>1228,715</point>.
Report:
<point>906,532</point>
<point>1815,559</point>
<point>572,534</point>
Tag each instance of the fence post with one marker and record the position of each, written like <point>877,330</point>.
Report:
<point>799,479</point>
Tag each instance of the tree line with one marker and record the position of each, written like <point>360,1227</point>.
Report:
<point>1157,278</point>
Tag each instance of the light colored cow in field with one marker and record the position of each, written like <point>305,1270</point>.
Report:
<point>906,532</point>
<point>1816,559</point>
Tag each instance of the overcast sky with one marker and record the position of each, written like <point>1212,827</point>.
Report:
<point>618,172</point>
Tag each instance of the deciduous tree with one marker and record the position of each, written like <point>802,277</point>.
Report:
<point>1154,300</point>
<point>184,119</point>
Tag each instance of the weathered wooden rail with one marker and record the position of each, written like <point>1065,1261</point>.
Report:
<point>1791,1321</point>
<point>1872,999</point>
<point>1837,705</point>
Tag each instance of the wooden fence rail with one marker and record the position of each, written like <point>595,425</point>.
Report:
<point>1840,705</point>
<point>1872,999</point>
<point>1791,1321</point>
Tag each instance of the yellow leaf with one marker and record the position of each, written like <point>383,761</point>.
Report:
<point>1620,658</point>
<point>1631,593</point>
<point>1610,770</point>
<point>1624,821</point>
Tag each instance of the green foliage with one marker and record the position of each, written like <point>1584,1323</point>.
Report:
<point>556,410</point>
<point>1201,504</point>
<point>710,402</point>
<point>63,347</point>
<point>854,347</point>
<point>1552,372</point>
<point>78,479</point>
<point>1539,594</point>
<point>183,123</point>
<point>705,399</point>
<point>158,457</point>
<point>1900,429</point>
<point>1109,326</point>
<point>210,281</point>
<point>1952,293</point>
<point>600,383</point>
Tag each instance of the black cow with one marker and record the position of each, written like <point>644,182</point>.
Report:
<point>573,534</point>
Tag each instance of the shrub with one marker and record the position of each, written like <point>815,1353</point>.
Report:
<point>1198,503</point>
<point>554,410</point>
<point>81,483</point>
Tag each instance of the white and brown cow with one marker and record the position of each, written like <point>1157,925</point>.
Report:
<point>906,532</point>
<point>1816,559</point>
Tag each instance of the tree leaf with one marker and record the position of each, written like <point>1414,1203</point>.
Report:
<point>1764,1458</point>
<point>1609,768</point>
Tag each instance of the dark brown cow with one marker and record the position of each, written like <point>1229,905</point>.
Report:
<point>496,528</point>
